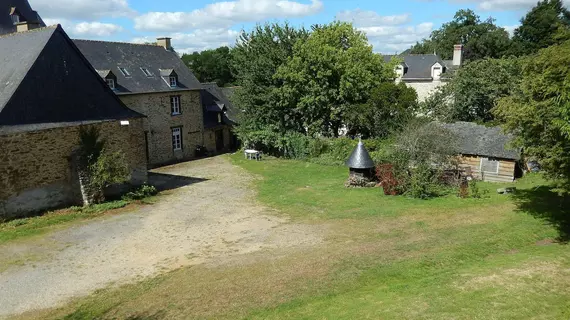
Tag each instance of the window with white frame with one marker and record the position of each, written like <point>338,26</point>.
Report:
<point>175,105</point>
<point>15,18</point>
<point>173,82</point>
<point>111,83</point>
<point>177,138</point>
<point>219,118</point>
<point>489,165</point>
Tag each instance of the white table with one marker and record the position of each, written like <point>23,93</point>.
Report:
<point>252,154</point>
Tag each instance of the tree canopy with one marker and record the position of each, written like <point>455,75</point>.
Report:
<point>538,111</point>
<point>333,70</point>
<point>481,38</point>
<point>547,24</point>
<point>211,65</point>
<point>474,90</point>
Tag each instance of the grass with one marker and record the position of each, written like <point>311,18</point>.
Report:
<point>32,226</point>
<point>500,257</point>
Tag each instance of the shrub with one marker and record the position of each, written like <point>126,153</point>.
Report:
<point>142,192</point>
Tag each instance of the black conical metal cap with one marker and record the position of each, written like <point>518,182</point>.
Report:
<point>360,158</point>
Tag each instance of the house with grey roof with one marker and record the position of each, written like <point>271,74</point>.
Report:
<point>153,80</point>
<point>486,152</point>
<point>219,118</point>
<point>425,72</point>
<point>49,91</point>
<point>17,15</point>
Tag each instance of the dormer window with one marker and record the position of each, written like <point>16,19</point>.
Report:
<point>111,83</point>
<point>15,18</point>
<point>219,118</point>
<point>173,82</point>
<point>124,71</point>
<point>146,72</point>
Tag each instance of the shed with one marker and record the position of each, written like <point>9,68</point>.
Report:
<point>486,152</point>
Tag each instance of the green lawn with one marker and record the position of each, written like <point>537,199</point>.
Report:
<point>500,257</point>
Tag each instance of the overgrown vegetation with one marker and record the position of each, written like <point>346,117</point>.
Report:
<point>97,167</point>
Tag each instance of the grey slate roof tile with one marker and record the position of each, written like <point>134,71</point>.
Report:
<point>214,101</point>
<point>45,79</point>
<point>475,139</point>
<point>158,61</point>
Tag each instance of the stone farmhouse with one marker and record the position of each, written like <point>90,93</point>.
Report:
<point>49,91</point>
<point>425,72</point>
<point>219,118</point>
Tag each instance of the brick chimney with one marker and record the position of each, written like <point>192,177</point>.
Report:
<point>26,26</point>
<point>457,54</point>
<point>164,42</point>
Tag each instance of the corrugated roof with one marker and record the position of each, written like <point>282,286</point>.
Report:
<point>135,57</point>
<point>475,139</point>
<point>23,8</point>
<point>45,79</point>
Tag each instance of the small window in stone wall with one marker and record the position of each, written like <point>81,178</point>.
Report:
<point>177,138</point>
<point>175,105</point>
<point>489,165</point>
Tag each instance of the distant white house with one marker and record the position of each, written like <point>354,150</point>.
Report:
<point>425,72</point>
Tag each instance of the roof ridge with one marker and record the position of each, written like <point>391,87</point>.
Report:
<point>120,42</point>
<point>54,26</point>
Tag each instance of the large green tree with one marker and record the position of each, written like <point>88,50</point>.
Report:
<point>539,112</point>
<point>333,70</point>
<point>546,24</point>
<point>481,38</point>
<point>256,57</point>
<point>211,65</point>
<point>388,110</point>
<point>474,90</point>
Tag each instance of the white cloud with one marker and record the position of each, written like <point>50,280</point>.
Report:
<point>391,39</point>
<point>511,29</point>
<point>88,10</point>
<point>226,14</point>
<point>86,29</point>
<point>198,40</point>
<point>361,18</point>
<point>504,5</point>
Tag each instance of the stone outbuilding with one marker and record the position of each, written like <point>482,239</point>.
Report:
<point>219,118</point>
<point>49,92</point>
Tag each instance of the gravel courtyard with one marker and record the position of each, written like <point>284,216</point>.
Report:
<point>207,214</point>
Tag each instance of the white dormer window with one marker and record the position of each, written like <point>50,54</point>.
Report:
<point>219,118</point>
<point>173,82</point>
<point>436,71</point>
<point>124,71</point>
<point>15,18</point>
<point>111,83</point>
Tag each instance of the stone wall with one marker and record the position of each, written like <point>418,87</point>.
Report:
<point>36,168</point>
<point>425,88</point>
<point>210,139</point>
<point>160,121</point>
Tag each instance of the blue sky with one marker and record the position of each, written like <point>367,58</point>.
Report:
<point>196,25</point>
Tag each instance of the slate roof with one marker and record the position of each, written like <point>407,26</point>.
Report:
<point>360,158</point>
<point>475,139</point>
<point>45,79</point>
<point>25,11</point>
<point>418,65</point>
<point>215,101</point>
<point>157,60</point>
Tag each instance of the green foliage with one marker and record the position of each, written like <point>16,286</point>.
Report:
<point>422,182</point>
<point>211,65</point>
<point>474,90</point>
<point>481,39</point>
<point>290,144</point>
<point>142,192</point>
<point>333,70</point>
<point>388,109</point>
<point>256,58</point>
<point>547,24</point>
<point>538,113</point>
<point>108,169</point>
<point>474,188</point>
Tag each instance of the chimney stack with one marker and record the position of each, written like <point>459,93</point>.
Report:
<point>165,43</point>
<point>26,26</point>
<point>457,54</point>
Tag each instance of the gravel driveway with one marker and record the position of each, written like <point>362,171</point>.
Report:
<point>211,214</point>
